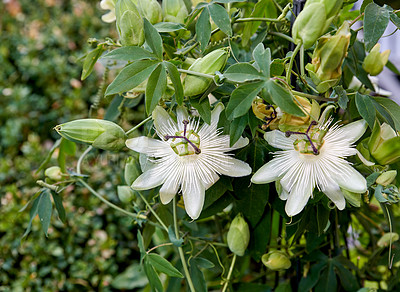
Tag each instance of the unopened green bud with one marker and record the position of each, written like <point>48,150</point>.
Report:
<point>151,10</point>
<point>386,178</point>
<point>132,170</point>
<point>375,61</point>
<point>276,260</point>
<point>209,64</point>
<point>53,173</point>
<point>174,11</point>
<point>384,144</point>
<point>387,238</point>
<point>238,235</point>
<point>332,7</point>
<point>125,194</point>
<point>309,25</point>
<point>100,134</point>
<point>129,23</point>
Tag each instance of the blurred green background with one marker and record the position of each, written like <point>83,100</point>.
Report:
<point>41,43</point>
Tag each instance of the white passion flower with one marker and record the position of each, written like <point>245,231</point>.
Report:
<point>189,157</point>
<point>314,158</point>
<point>108,5</point>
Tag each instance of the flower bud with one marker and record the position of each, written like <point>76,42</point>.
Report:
<point>276,260</point>
<point>108,5</point>
<point>375,61</point>
<point>125,194</point>
<point>100,134</point>
<point>132,170</point>
<point>151,10</point>
<point>386,178</point>
<point>384,144</point>
<point>129,23</point>
<point>238,235</point>
<point>387,238</point>
<point>326,67</point>
<point>174,11</point>
<point>53,173</point>
<point>209,64</point>
<point>332,7</point>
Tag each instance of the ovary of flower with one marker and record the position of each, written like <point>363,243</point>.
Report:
<point>189,157</point>
<point>300,170</point>
<point>108,5</point>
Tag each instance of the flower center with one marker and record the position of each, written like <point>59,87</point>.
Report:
<point>313,141</point>
<point>185,142</point>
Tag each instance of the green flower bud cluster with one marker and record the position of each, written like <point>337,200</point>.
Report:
<point>375,61</point>
<point>384,144</point>
<point>276,260</point>
<point>174,11</point>
<point>238,235</point>
<point>98,133</point>
<point>326,67</point>
<point>314,20</point>
<point>129,23</point>
<point>54,173</point>
<point>209,64</point>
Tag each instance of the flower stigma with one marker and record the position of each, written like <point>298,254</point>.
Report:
<point>314,140</point>
<point>189,144</point>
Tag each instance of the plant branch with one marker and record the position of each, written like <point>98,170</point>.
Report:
<point>316,97</point>
<point>229,273</point>
<point>196,73</point>
<point>258,19</point>
<point>289,69</point>
<point>282,35</point>
<point>153,212</point>
<point>78,165</point>
<point>138,125</point>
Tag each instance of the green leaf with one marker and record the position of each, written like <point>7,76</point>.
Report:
<point>347,279</point>
<point>221,18</point>
<point>216,191</point>
<point>176,81</point>
<point>283,99</point>
<point>277,67</point>
<point>140,243</point>
<point>153,39</point>
<point>263,59</point>
<point>260,236</point>
<point>392,108</point>
<point>327,281</point>
<point>172,237</point>
<point>364,4</point>
<point>384,113</point>
<point>49,155</point>
<point>242,72</point>
<point>163,266</point>
<point>343,98</point>
<point>129,53</point>
<point>66,147</point>
<point>45,208</point>
<point>131,76</point>
<point>133,277</point>
<point>197,277</point>
<point>202,263</point>
<point>155,88</point>
<point>59,206</point>
<point>152,276</point>
<point>113,110</point>
<point>228,1</point>
<point>241,99</point>
<point>237,127</point>
<point>307,283</point>
<point>376,19</point>
<point>366,108</point>
<point>203,107</point>
<point>203,29</point>
<point>32,214</point>
<point>168,26</point>
<point>392,67</point>
<point>91,60</point>
<point>395,20</point>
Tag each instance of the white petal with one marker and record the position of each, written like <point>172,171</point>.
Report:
<point>242,142</point>
<point>148,180</point>
<point>164,124</point>
<point>267,173</point>
<point>278,139</point>
<point>182,114</point>
<point>352,181</point>
<point>193,196</point>
<point>235,168</point>
<point>148,146</point>
<point>284,195</point>
<point>334,193</point>
<point>169,190</point>
<point>207,129</point>
<point>215,177</point>
<point>296,201</point>
<point>109,17</point>
<point>354,130</point>
<point>363,159</point>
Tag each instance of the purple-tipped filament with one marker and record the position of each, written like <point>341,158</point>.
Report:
<point>189,138</point>
<point>315,150</point>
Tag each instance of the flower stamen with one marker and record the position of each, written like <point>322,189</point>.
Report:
<point>313,123</point>
<point>185,151</point>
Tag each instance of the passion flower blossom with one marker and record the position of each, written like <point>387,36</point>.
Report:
<point>188,158</point>
<point>312,159</point>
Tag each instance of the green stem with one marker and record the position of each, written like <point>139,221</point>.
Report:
<point>138,125</point>
<point>289,70</point>
<point>258,19</point>
<point>133,215</point>
<point>229,274</point>
<point>46,185</point>
<point>196,73</point>
<point>180,250</point>
<point>302,73</point>
<point>78,165</point>
<point>282,35</point>
<point>316,97</point>
<point>153,212</point>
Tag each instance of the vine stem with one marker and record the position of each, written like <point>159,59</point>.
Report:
<point>229,274</point>
<point>196,73</point>
<point>289,69</point>
<point>282,35</point>
<point>258,19</point>
<point>316,97</point>
<point>180,250</point>
<point>153,212</point>
<point>133,215</point>
<point>138,125</point>
<point>78,165</point>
